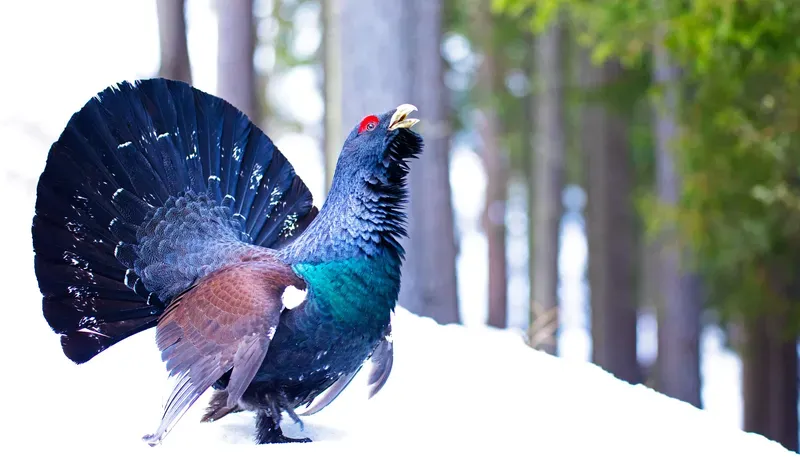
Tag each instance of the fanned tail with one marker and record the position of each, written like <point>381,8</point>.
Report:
<point>144,190</point>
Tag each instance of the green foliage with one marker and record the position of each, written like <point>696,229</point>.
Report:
<point>506,40</point>
<point>738,147</point>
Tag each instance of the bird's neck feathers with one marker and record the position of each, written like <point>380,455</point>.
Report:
<point>364,214</point>
<point>350,256</point>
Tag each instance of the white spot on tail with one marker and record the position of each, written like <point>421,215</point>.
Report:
<point>289,225</point>
<point>117,192</point>
<point>123,145</point>
<point>292,297</point>
<point>162,135</point>
<point>214,177</point>
<point>231,197</point>
<point>93,332</point>
<point>274,197</point>
<point>256,176</point>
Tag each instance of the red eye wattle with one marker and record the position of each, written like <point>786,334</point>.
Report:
<point>368,124</point>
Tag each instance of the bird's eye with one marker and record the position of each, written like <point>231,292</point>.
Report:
<point>368,124</point>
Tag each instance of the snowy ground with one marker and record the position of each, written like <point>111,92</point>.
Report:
<point>458,396</point>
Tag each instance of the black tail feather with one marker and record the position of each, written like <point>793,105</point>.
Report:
<point>289,210</point>
<point>82,345</point>
<point>268,196</point>
<point>128,152</point>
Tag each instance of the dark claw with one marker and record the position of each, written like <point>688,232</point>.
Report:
<point>291,412</point>
<point>283,439</point>
<point>268,431</point>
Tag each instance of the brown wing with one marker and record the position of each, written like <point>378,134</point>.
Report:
<point>225,321</point>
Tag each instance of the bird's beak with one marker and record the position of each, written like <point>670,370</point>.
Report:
<point>400,118</point>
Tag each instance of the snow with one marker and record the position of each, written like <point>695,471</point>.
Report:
<point>458,396</point>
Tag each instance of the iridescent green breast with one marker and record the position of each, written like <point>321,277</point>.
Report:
<point>359,292</point>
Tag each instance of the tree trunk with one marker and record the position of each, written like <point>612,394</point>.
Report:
<point>769,376</point>
<point>550,152</point>
<point>332,63</point>
<point>236,75</point>
<point>496,166</point>
<point>611,229</point>
<point>172,41</point>
<point>392,57</point>
<point>528,145</point>
<point>429,280</point>
<point>376,59</point>
<point>678,367</point>
<point>494,218</point>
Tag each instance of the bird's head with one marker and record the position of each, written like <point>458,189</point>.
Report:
<point>368,191</point>
<point>377,150</point>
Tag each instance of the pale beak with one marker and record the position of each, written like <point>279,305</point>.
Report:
<point>400,117</point>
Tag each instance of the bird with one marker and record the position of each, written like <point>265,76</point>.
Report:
<point>163,206</point>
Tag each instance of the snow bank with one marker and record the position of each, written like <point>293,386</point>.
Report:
<point>457,397</point>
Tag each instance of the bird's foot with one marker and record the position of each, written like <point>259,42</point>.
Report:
<point>269,432</point>
<point>281,439</point>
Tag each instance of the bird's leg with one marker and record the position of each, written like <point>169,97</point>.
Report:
<point>268,431</point>
<point>290,411</point>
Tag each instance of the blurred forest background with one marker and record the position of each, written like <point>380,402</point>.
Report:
<point>617,180</point>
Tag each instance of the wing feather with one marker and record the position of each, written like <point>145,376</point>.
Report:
<point>225,322</point>
<point>329,395</point>
<point>382,361</point>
